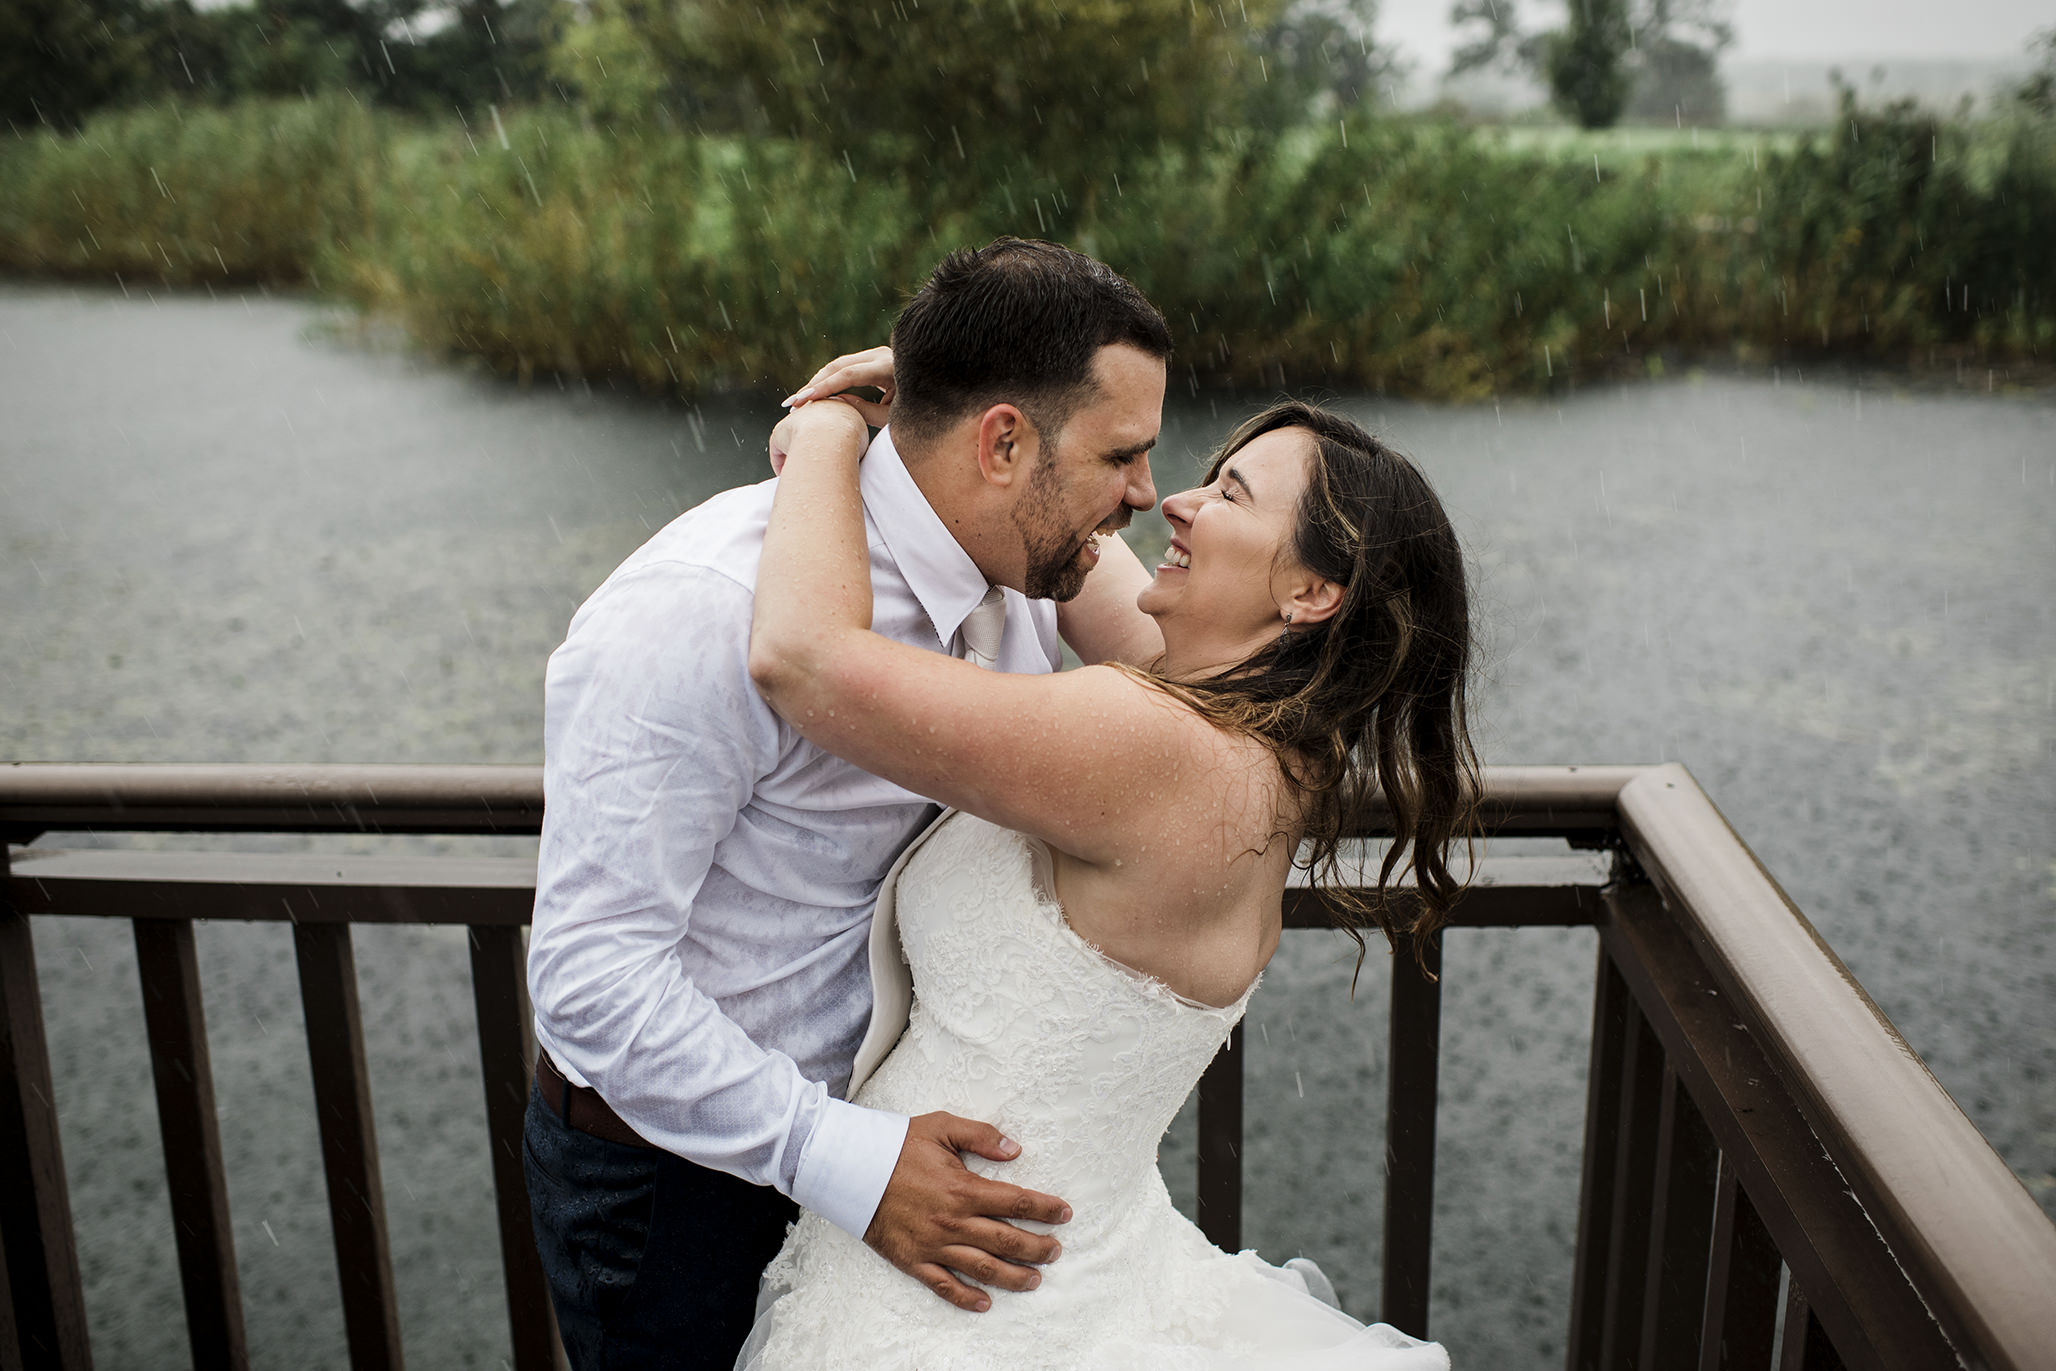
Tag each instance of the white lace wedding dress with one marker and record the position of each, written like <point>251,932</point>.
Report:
<point>1019,1022</point>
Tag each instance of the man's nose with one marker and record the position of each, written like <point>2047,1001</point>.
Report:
<point>1141,492</point>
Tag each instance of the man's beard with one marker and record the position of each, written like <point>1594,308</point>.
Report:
<point>1052,548</point>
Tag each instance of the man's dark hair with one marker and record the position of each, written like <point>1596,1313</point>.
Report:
<point>1017,321</point>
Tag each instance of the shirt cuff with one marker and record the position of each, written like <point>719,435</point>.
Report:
<point>847,1163</point>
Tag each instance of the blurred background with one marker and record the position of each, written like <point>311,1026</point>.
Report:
<point>346,347</point>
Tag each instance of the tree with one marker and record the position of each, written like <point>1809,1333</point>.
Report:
<point>1001,85</point>
<point>1676,47</point>
<point>1318,58</point>
<point>486,50</point>
<point>1500,46</point>
<point>2037,91</point>
<point>491,50</point>
<point>1670,64</point>
<point>1585,63</point>
<point>61,58</point>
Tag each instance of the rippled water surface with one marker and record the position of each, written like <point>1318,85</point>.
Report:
<point>228,535</point>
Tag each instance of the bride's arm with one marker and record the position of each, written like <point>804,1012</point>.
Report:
<point>1054,756</point>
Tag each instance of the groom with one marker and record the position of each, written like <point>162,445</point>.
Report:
<point>698,960</point>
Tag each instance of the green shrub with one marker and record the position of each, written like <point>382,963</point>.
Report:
<point>681,261</point>
<point>195,194</point>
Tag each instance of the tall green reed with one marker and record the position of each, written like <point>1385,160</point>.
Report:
<point>194,194</point>
<point>542,242</point>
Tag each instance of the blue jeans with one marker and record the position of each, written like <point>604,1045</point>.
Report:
<point>652,1260</point>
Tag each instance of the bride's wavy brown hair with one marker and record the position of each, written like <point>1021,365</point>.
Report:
<point>1365,710</point>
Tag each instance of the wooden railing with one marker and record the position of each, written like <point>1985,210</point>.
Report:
<point>1754,1123</point>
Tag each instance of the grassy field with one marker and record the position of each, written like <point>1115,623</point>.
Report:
<point>1642,140</point>
<point>1407,255</point>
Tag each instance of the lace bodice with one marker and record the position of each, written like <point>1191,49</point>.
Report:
<point>1019,1021</point>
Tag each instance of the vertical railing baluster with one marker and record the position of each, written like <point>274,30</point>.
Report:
<point>1740,1329</point>
<point>1674,1300</point>
<point>1415,1054</point>
<point>1634,1181</point>
<point>1601,1158</point>
<point>1805,1346</point>
<point>506,1054</point>
<point>349,1144</point>
<point>169,969</point>
<point>45,1297</point>
<point>1220,1147</point>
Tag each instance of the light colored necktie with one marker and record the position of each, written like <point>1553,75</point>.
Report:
<point>982,629</point>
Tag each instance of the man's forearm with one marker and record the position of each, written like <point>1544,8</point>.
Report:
<point>708,1092</point>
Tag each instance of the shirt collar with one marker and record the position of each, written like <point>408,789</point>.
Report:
<point>941,574</point>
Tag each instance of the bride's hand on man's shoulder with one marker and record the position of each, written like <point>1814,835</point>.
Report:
<point>856,371</point>
<point>870,369</point>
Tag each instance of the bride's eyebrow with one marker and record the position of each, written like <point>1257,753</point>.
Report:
<point>1234,474</point>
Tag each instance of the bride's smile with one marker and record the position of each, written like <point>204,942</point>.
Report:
<point>1231,576</point>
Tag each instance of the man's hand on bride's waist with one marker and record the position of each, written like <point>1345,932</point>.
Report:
<point>940,1222</point>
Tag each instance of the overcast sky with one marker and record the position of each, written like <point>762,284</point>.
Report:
<point>1817,30</point>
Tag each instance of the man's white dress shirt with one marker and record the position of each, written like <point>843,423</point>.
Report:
<point>706,879</point>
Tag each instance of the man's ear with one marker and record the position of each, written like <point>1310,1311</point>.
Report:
<point>1007,444</point>
<point>1311,599</point>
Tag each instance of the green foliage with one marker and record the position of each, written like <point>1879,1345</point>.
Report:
<point>963,91</point>
<point>681,261</point>
<point>194,195</point>
<point>1586,63</point>
<point>1892,230</point>
<point>1408,255</point>
<point>61,59</point>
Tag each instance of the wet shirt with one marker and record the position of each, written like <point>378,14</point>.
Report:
<point>706,878</point>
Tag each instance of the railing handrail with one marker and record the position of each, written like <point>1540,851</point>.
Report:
<point>1551,801</point>
<point>1966,1230</point>
<point>295,798</point>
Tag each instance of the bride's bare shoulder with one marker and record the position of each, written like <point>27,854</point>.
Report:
<point>1210,765</point>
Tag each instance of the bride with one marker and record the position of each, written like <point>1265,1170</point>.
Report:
<point>1088,923</point>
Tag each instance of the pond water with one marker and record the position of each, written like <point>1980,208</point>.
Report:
<point>230,533</point>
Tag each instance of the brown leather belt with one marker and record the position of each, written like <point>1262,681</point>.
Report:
<point>581,1107</point>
